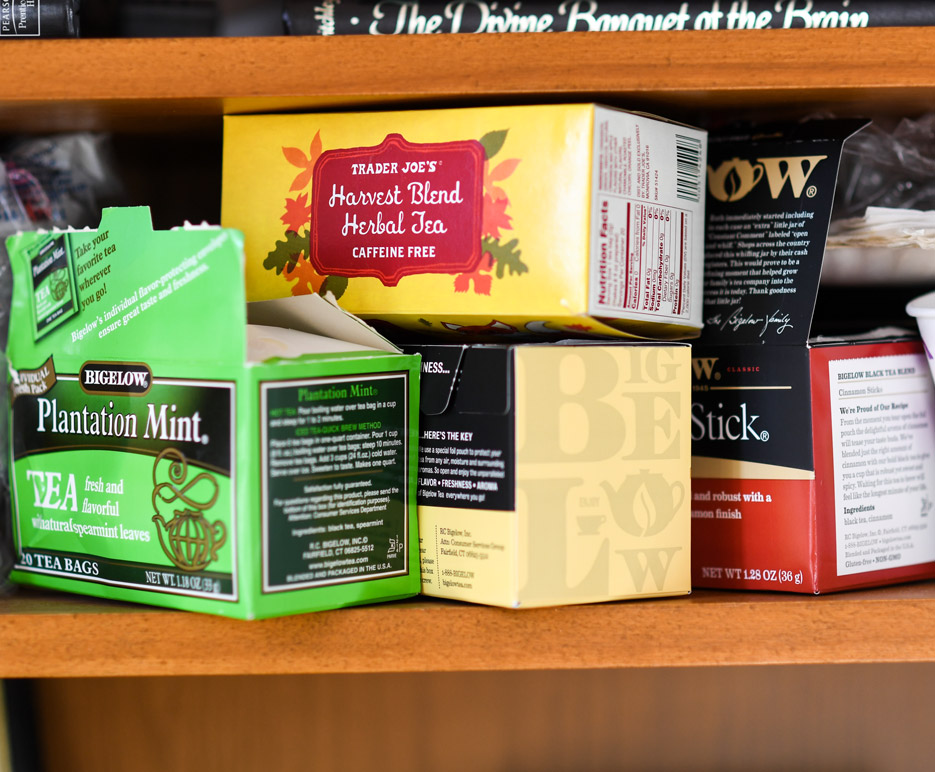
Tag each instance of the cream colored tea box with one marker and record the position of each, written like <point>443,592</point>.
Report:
<point>554,474</point>
<point>487,222</point>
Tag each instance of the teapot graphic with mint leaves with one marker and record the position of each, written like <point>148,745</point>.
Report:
<point>189,539</point>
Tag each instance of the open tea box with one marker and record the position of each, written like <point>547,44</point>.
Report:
<point>164,451</point>
<point>482,222</point>
<point>554,474</point>
<point>813,457</point>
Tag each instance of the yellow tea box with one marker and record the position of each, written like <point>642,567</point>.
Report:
<point>553,474</point>
<point>485,222</point>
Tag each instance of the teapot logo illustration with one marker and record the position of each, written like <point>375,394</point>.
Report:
<point>189,540</point>
<point>733,179</point>
<point>645,503</point>
<point>59,283</point>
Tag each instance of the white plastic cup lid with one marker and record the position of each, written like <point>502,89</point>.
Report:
<point>922,306</point>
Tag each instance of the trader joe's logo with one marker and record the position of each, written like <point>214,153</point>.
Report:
<point>397,209</point>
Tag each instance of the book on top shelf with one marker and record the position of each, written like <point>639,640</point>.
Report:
<point>401,17</point>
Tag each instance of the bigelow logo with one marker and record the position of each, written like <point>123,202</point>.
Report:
<point>736,177</point>
<point>115,378</point>
<point>625,432</point>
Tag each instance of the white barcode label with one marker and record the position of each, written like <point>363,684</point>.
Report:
<point>647,222</point>
<point>688,167</point>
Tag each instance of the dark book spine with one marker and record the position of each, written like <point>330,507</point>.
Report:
<point>405,17</point>
<point>38,18</point>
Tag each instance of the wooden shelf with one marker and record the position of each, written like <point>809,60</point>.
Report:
<point>166,84</point>
<point>54,635</point>
<point>168,87</point>
<point>164,98</point>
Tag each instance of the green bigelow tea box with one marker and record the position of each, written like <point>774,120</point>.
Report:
<point>165,451</point>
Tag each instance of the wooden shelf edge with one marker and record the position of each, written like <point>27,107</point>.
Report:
<point>184,68</point>
<point>52,635</point>
<point>103,83</point>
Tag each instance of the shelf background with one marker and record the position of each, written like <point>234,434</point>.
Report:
<point>423,684</point>
<point>164,99</point>
<point>759,719</point>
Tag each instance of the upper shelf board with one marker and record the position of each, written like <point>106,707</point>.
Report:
<point>156,84</point>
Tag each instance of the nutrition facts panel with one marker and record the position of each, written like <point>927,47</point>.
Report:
<point>646,217</point>
<point>642,261</point>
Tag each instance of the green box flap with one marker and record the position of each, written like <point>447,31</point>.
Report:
<point>125,290</point>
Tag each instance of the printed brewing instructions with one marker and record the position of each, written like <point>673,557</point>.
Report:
<point>334,476</point>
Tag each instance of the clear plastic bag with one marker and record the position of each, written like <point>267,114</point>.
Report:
<point>45,182</point>
<point>12,219</point>
<point>888,164</point>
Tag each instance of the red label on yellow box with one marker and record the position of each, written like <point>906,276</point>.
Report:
<point>398,209</point>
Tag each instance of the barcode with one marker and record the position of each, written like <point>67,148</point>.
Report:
<point>688,167</point>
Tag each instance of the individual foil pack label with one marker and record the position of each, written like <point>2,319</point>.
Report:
<point>53,284</point>
<point>398,209</point>
<point>125,479</point>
